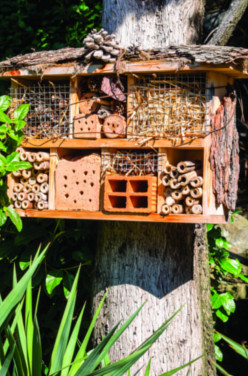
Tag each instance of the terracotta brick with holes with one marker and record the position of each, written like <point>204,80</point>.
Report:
<point>87,126</point>
<point>130,194</point>
<point>78,183</point>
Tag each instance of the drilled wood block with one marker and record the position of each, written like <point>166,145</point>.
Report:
<point>78,183</point>
<point>87,126</point>
<point>132,194</point>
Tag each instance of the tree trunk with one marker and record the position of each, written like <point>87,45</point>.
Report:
<point>163,264</point>
<point>157,23</point>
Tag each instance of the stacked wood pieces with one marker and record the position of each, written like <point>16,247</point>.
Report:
<point>101,46</point>
<point>183,188</point>
<point>102,110</point>
<point>30,188</point>
<point>166,107</point>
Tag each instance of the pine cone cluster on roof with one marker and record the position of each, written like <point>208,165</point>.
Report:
<point>101,46</point>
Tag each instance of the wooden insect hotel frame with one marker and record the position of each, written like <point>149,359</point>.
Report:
<point>133,141</point>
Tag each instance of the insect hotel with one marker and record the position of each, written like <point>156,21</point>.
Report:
<point>133,136</point>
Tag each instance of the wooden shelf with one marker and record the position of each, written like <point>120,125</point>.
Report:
<point>110,143</point>
<point>70,214</point>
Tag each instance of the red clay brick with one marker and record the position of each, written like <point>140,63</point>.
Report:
<point>78,183</point>
<point>87,126</point>
<point>130,194</point>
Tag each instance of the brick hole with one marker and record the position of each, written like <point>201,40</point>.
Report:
<point>92,184</point>
<point>88,129</point>
<point>118,202</point>
<point>77,182</point>
<point>65,177</point>
<point>139,202</point>
<point>94,172</point>
<point>65,185</point>
<point>85,173</point>
<point>90,200</point>
<point>74,171</point>
<point>118,185</point>
<point>81,193</point>
<point>92,121</point>
<point>139,185</point>
<point>75,201</point>
<point>85,181</point>
<point>81,129</point>
<point>66,195</point>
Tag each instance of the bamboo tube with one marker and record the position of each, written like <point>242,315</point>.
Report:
<point>42,205</point>
<point>185,178</point>
<point>23,180</point>
<point>27,188</point>
<point>167,191</point>
<point>177,209</point>
<point>32,180</point>
<point>26,204</point>
<point>17,173</point>
<point>14,196</point>
<point>31,196</point>
<point>36,188</point>
<point>22,196</point>
<point>169,201</point>
<point>174,184</point>
<point>196,192</point>
<point>165,209</point>
<point>166,180</point>
<point>168,168</point>
<point>177,195</point>
<point>24,156</point>
<point>44,188</point>
<point>26,173</point>
<point>43,196</point>
<point>41,165</point>
<point>185,166</point>
<point>196,209</point>
<point>190,201</point>
<point>186,190</point>
<point>20,149</point>
<point>17,204</point>
<point>18,187</point>
<point>174,173</point>
<point>188,209</point>
<point>197,182</point>
<point>31,157</point>
<point>42,156</point>
<point>42,178</point>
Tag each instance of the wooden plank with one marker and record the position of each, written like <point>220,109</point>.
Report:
<point>162,164</point>
<point>153,217</point>
<point>110,143</point>
<point>74,104</point>
<point>52,171</point>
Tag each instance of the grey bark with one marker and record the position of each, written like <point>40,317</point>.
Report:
<point>163,264</point>
<point>232,16</point>
<point>156,23</point>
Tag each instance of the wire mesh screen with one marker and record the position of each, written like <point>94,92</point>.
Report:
<point>49,108</point>
<point>137,163</point>
<point>167,106</point>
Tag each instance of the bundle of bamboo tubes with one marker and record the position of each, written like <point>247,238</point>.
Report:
<point>30,189</point>
<point>183,188</point>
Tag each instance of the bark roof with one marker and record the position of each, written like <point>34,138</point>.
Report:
<point>188,54</point>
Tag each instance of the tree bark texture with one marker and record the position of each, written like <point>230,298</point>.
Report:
<point>232,16</point>
<point>159,264</point>
<point>156,23</point>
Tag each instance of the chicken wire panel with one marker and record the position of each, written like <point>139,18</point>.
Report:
<point>127,163</point>
<point>49,113</point>
<point>167,106</point>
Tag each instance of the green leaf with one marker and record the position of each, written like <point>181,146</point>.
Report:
<point>5,102</point>
<point>24,264</point>
<point>15,218</point>
<point>15,166</point>
<point>209,226</point>
<point>228,303</point>
<point>241,276</point>
<point>13,157</point>
<point>216,300</point>
<point>218,353</point>
<point>231,266</point>
<point>37,350</point>
<point>19,124</point>
<point>4,118</point>
<point>241,350</point>
<point>3,217</point>
<point>222,371</point>
<point>21,112</point>
<point>221,315</point>
<point>217,337</point>
<point>16,294</point>
<point>52,281</point>
<point>5,367</point>
<point>147,371</point>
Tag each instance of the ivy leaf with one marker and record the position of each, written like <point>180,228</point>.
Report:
<point>231,266</point>
<point>21,112</point>
<point>217,337</point>
<point>13,157</point>
<point>221,315</point>
<point>209,226</point>
<point>53,280</point>
<point>67,284</point>
<point>3,161</point>
<point>5,101</point>
<point>216,300</point>
<point>24,264</point>
<point>15,218</point>
<point>3,217</point>
<point>15,166</point>
<point>19,124</point>
<point>4,118</point>
<point>228,303</point>
<point>218,353</point>
<point>241,276</point>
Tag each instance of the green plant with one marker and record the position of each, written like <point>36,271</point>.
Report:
<point>21,351</point>
<point>11,135</point>
<point>222,266</point>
